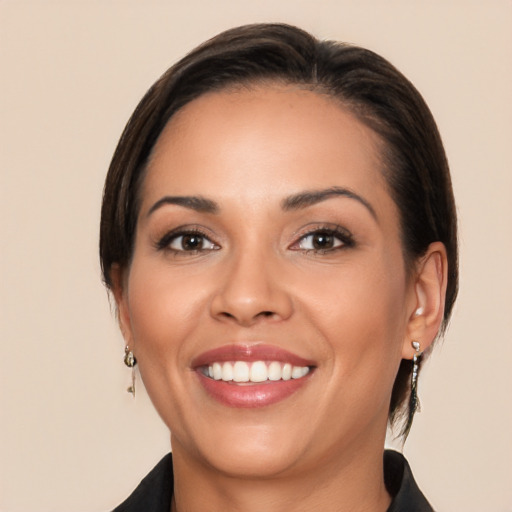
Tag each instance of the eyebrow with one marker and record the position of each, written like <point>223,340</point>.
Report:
<point>293,202</point>
<point>197,203</point>
<point>311,197</point>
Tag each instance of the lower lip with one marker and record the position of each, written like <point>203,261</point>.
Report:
<point>251,395</point>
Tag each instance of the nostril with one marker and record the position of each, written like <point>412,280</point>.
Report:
<point>261,314</point>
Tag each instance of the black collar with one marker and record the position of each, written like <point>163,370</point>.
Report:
<point>154,493</point>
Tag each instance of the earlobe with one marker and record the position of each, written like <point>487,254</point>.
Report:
<point>122,310</point>
<point>429,299</point>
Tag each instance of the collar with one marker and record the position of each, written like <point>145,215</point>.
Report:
<point>154,493</point>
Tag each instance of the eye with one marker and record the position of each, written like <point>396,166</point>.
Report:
<point>191,242</point>
<point>324,240</point>
<point>188,241</point>
<point>319,241</point>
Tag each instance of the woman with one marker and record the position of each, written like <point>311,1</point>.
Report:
<point>278,230</point>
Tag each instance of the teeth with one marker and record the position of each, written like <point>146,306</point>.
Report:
<point>240,371</point>
<point>275,371</point>
<point>287,371</point>
<point>259,371</point>
<point>227,372</point>
<point>296,372</point>
<point>216,370</point>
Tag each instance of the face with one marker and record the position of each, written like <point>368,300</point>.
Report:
<point>267,298</point>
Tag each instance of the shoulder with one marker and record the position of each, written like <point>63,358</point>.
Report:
<point>401,485</point>
<point>154,493</point>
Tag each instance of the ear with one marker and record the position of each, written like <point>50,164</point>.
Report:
<point>428,299</point>
<point>120,292</point>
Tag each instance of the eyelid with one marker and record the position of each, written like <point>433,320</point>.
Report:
<point>342,234</point>
<point>164,242</point>
<point>175,240</point>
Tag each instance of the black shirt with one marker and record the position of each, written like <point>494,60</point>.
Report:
<point>154,493</point>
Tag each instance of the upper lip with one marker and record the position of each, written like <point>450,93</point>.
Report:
<point>249,353</point>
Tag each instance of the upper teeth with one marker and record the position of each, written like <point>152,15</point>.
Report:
<point>259,371</point>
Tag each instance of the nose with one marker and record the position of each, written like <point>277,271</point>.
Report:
<point>251,290</point>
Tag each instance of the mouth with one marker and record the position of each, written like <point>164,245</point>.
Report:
<point>251,376</point>
<point>256,372</point>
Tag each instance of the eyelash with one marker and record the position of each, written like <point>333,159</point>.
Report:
<point>334,232</point>
<point>169,238</point>
<point>337,233</point>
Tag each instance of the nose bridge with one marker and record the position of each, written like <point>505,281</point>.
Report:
<point>250,289</point>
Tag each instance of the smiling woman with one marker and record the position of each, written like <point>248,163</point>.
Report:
<point>279,233</point>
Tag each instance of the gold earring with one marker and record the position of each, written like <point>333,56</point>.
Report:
<point>130,361</point>
<point>414,402</point>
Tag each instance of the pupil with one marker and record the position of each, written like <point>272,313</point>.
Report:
<point>322,241</point>
<point>192,242</point>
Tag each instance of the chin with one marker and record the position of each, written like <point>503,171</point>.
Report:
<point>254,461</point>
<point>247,451</point>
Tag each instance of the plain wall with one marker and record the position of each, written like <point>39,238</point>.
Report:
<point>71,438</point>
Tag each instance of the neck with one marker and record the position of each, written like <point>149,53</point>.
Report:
<point>354,484</point>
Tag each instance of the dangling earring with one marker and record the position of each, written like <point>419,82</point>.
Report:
<point>130,361</point>
<point>414,402</point>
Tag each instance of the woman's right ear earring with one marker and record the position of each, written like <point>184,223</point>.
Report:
<point>130,361</point>
<point>415,402</point>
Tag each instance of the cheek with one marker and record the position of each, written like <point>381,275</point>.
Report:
<point>362,294</point>
<point>163,311</point>
<point>361,316</point>
<point>159,299</point>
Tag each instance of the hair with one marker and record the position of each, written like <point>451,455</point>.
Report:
<point>414,162</point>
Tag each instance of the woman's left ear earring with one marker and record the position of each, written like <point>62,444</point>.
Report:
<point>130,361</point>
<point>414,402</point>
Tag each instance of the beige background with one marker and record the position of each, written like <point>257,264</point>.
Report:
<point>71,439</point>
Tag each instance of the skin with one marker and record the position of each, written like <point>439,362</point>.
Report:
<point>258,279</point>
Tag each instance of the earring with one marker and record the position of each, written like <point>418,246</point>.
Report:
<point>414,402</point>
<point>130,361</point>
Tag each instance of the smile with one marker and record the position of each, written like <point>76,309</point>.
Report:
<point>256,372</point>
<point>248,376</point>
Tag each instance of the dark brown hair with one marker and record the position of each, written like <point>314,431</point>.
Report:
<point>414,162</point>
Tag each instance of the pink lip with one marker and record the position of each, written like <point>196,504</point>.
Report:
<point>250,395</point>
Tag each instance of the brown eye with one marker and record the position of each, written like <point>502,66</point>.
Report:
<point>324,241</point>
<point>190,242</point>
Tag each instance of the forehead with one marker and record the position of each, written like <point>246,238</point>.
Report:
<point>263,142</point>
